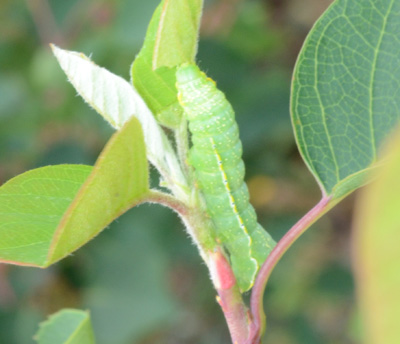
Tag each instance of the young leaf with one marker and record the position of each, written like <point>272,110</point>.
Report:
<point>171,40</point>
<point>176,40</point>
<point>157,87</point>
<point>117,101</point>
<point>345,95</point>
<point>68,326</point>
<point>110,95</point>
<point>377,254</point>
<point>118,182</point>
<point>47,213</point>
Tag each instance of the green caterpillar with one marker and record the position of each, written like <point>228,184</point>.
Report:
<point>216,156</point>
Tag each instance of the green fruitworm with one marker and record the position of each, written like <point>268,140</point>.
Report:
<point>216,156</point>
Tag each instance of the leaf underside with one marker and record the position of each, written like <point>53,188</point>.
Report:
<point>346,91</point>
<point>117,101</point>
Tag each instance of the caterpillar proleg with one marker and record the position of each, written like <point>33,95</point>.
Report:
<point>216,156</point>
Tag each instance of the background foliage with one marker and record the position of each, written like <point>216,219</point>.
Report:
<point>141,278</point>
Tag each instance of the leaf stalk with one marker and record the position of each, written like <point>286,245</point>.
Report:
<point>258,324</point>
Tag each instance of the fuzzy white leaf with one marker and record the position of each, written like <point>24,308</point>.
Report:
<point>116,100</point>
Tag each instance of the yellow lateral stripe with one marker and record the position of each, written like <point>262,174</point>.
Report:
<point>228,189</point>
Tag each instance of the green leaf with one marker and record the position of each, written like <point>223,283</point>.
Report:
<point>68,326</point>
<point>47,213</point>
<point>171,40</point>
<point>377,253</point>
<point>345,95</point>
<point>117,101</point>
<point>176,40</point>
<point>31,207</point>
<point>118,182</point>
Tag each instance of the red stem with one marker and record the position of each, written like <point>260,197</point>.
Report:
<point>229,297</point>
<point>235,313</point>
<point>257,327</point>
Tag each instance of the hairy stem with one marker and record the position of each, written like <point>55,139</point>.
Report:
<point>197,224</point>
<point>167,200</point>
<point>222,276</point>
<point>257,326</point>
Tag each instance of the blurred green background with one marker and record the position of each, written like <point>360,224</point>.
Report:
<point>142,278</point>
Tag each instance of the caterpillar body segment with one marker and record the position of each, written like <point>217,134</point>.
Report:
<point>216,156</point>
